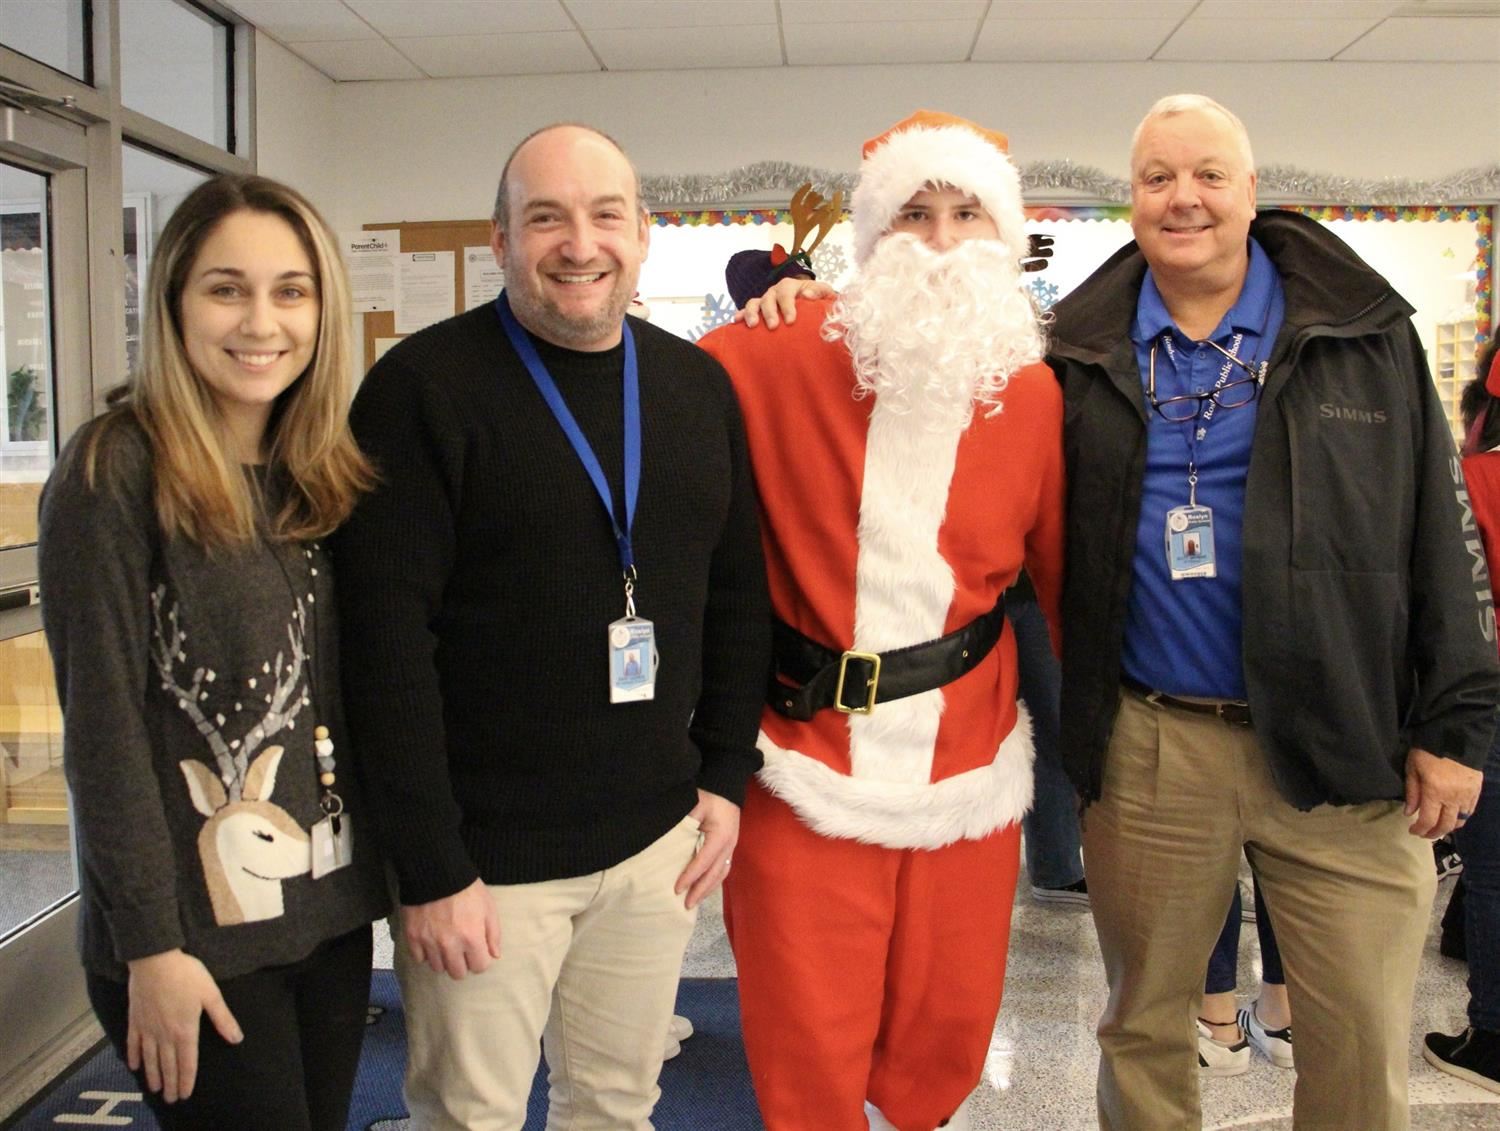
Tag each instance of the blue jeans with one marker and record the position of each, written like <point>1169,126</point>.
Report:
<point>1224,961</point>
<point>1479,844</point>
<point>1053,854</point>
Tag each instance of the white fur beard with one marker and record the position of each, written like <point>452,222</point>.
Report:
<point>937,333</point>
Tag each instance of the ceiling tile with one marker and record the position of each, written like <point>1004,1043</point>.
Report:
<point>521,53</point>
<point>1455,40</point>
<point>879,11</point>
<point>1295,9</point>
<point>937,41</point>
<point>1091,9</point>
<point>434,18</point>
<point>304,21</point>
<point>358,60</point>
<point>661,49</point>
<point>1246,41</point>
<point>618,14</point>
<point>1038,41</point>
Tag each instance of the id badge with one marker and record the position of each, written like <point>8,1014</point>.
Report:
<point>1190,542</point>
<point>332,845</point>
<point>632,660</point>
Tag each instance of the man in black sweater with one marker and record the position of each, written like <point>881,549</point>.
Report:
<point>556,642</point>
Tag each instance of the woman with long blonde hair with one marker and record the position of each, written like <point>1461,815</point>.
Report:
<point>226,893</point>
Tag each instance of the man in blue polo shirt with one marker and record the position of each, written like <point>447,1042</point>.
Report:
<point>1275,637</point>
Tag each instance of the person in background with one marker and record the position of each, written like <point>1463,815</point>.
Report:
<point>227,873</point>
<point>1274,636</point>
<point>1474,1053</point>
<point>907,448</point>
<point>1266,1023</point>
<point>1054,860</point>
<point>557,636</point>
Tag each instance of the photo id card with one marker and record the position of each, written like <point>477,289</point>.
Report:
<point>632,660</point>
<point>1190,542</point>
<point>332,845</point>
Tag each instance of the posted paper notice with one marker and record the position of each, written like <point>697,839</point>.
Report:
<point>483,277</point>
<point>425,291</point>
<point>371,257</point>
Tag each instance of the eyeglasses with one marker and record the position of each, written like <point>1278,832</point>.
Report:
<point>1189,406</point>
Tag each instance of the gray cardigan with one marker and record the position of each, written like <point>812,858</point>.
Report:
<point>190,685</point>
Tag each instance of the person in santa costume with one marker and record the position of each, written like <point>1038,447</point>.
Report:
<point>907,447</point>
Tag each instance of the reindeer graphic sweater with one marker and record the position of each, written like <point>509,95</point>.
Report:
<point>190,686</point>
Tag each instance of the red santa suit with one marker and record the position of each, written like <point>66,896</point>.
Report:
<point>869,904</point>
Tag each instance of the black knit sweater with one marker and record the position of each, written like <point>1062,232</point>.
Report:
<point>476,586</point>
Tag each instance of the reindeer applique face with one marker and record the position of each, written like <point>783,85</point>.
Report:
<point>248,845</point>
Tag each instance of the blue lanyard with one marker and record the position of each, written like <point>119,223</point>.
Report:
<point>521,341</point>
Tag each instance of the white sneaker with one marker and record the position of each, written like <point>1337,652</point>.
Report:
<point>1218,1059</point>
<point>679,1028</point>
<point>673,1049</point>
<point>958,1121</point>
<point>1274,1044</point>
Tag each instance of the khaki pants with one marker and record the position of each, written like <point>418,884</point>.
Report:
<point>589,967</point>
<point>1348,888</point>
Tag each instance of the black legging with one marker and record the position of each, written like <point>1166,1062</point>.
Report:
<point>294,1071</point>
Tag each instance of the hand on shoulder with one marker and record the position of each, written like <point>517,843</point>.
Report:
<point>779,304</point>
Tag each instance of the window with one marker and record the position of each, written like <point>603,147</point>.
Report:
<point>55,32</point>
<point>176,66</point>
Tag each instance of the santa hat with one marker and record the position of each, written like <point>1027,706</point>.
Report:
<point>933,148</point>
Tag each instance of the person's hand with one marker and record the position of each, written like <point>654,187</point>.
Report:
<point>779,304</point>
<point>719,825</point>
<point>457,935</point>
<point>1440,792</point>
<point>169,992</point>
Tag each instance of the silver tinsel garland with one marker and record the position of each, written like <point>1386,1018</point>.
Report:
<point>774,180</point>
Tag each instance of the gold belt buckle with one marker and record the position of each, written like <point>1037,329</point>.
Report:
<point>870,685</point>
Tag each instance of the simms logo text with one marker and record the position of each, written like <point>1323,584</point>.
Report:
<point>1348,412</point>
<point>1479,574</point>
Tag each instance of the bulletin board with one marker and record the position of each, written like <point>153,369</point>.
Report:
<point>425,235</point>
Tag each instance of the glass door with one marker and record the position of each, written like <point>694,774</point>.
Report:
<point>35,860</point>
<point>45,392</point>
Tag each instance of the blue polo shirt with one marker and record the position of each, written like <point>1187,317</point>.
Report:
<point>1183,637</point>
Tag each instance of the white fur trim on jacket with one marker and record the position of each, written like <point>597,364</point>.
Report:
<point>967,806</point>
<point>903,586</point>
<point>922,155</point>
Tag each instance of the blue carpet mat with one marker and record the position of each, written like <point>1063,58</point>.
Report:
<point>706,1088</point>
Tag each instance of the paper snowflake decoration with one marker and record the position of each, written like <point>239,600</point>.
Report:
<point>1043,293</point>
<point>717,310</point>
<point>830,263</point>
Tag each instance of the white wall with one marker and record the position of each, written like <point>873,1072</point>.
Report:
<point>426,150</point>
<point>297,126</point>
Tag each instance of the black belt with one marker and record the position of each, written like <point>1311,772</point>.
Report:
<point>1235,712</point>
<point>853,682</point>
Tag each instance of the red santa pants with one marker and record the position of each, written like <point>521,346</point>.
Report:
<point>865,972</point>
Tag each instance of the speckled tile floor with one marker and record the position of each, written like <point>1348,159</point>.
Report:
<point>1043,1059</point>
